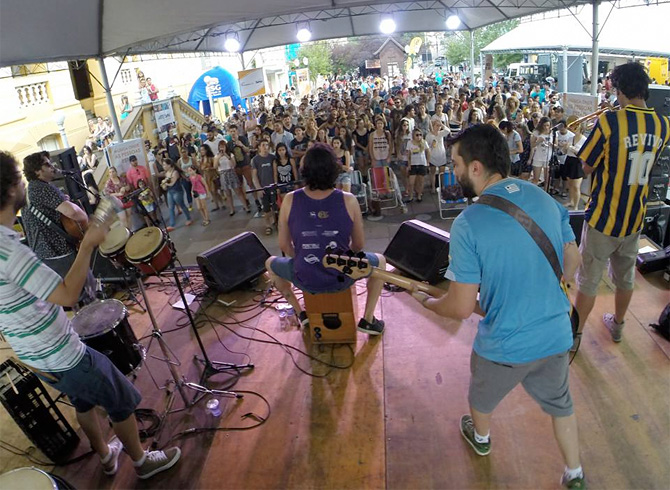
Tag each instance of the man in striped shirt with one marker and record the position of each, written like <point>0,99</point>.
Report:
<point>33,322</point>
<point>618,154</point>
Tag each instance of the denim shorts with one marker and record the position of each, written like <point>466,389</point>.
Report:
<point>95,381</point>
<point>344,178</point>
<point>283,267</point>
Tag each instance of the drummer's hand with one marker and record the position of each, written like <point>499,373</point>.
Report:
<point>95,234</point>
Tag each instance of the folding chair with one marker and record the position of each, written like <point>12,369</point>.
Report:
<point>360,190</point>
<point>384,187</point>
<point>450,195</point>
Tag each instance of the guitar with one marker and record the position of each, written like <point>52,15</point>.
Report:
<point>73,228</point>
<point>356,266</point>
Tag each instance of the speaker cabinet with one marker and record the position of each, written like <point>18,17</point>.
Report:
<point>234,262</point>
<point>66,159</point>
<point>656,224</point>
<point>420,250</point>
<point>81,80</point>
<point>659,99</point>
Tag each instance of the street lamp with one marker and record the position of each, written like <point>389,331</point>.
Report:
<point>59,119</point>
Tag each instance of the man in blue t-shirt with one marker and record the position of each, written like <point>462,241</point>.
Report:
<point>525,333</point>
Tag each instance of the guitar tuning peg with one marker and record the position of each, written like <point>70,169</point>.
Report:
<point>330,260</point>
<point>350,253</point>
<point>341,261</point>
<point>347,270</point>
<point>360,255</point>
<point>362,265</point>
<point>329,250</point>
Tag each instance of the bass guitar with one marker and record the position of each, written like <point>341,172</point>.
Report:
<point>73,228</point>
<point>356,266</point>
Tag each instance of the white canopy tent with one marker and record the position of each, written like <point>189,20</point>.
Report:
<point>636,31</point>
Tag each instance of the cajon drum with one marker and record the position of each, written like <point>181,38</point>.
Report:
<point>332,316</point>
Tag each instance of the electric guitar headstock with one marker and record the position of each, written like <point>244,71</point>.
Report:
<point>353,265</point>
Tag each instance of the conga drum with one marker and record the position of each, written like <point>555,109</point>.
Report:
<point>31,478</point>
<point>114,246</point>
<point>149,251</point>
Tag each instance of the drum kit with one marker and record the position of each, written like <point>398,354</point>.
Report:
<point>103,325</point>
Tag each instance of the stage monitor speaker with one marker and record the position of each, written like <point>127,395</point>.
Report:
<point>234,262</point>
<point>420,250</point>
<point>659,99</point>
<point>81,80</point>
<point>656,224</point>
<point>577,222</point>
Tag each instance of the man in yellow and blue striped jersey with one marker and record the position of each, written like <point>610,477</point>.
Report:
<point>618,154</point>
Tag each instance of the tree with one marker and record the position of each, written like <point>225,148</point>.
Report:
<point>458,44</point>
<point>318,55</point>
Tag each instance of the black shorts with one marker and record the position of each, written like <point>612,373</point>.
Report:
<point>418,170</point>
<point>573,168</point>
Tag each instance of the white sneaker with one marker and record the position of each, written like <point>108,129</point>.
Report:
<point>110,467</point>
<point>613,327</point>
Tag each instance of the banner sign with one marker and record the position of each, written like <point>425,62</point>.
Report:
<point>303,82</point>
<point>579,105</point>
<point>252,82</point>
<point>119,154</point>
<point>163,113</point>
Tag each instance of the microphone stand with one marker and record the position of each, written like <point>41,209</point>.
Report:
<point>81,185</point>
<point>272,191</point>
<point>549,178</point>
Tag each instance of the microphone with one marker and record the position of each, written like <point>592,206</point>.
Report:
<point>67,172</point>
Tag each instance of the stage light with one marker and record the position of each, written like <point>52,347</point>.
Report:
<point>304,35</point>
<point>453,22</point>
<point>387,26</point>
<point>232,45</point>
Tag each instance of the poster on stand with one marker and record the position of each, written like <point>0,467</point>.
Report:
<point>252,82</point>
<point>303,82</point>
<point>164,116</point>
<point>118,154</point>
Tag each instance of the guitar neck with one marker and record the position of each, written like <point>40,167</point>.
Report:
<point>406,283</point>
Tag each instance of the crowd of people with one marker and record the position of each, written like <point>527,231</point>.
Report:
<point>369,122</point>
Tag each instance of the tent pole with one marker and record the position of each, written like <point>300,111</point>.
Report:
<point>110,101</point>
<point>564,71</point>
<point>472,57</point>
<point>594,50</point>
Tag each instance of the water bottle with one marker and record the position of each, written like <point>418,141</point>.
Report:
<point>283,319</point>
<point>213,407</point>
<point>290,316</point>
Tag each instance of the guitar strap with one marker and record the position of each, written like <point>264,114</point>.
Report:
<point>52,226</point>
<point>529,225</point>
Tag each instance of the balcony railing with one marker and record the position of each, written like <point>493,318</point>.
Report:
<point>32,95</point>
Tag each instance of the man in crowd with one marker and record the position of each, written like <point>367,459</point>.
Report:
<point>312,219</point>
<point>522,338</point>
<point>619,154</point>
<point>263,176</point>
<point>42,336</point>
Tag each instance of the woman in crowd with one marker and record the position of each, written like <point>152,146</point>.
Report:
<point>422,119</point>
<point>125,108</point>
<point>90,161</point>
<point>540,148</point>
<point>284,170</point>
<point>210,171</point>
<point>173,185</point>
<point>438,153</point>
<point>225,163</point>
<point>118,187</point>
<point>573,168</point>
<point>514,144</point>
<point>184,163</point>
<point>343,158</point>
<point>361,137</point>
<point>419,155</point>
<point>403,136</point>
<point>199,190</point>
<point>322,136</point>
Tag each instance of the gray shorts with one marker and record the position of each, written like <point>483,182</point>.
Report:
<point>599,250</point>
<point>95,381</point>
<point>546,380</point>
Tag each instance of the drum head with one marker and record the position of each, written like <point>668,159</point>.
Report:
<point>98,318</point>
<point>144,243</point>
<point>28,478</point>
<point>115,240</point>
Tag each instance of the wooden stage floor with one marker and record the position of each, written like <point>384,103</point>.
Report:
<point>386,416</point>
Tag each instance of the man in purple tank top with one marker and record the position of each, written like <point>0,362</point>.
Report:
<point>310,220</point>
